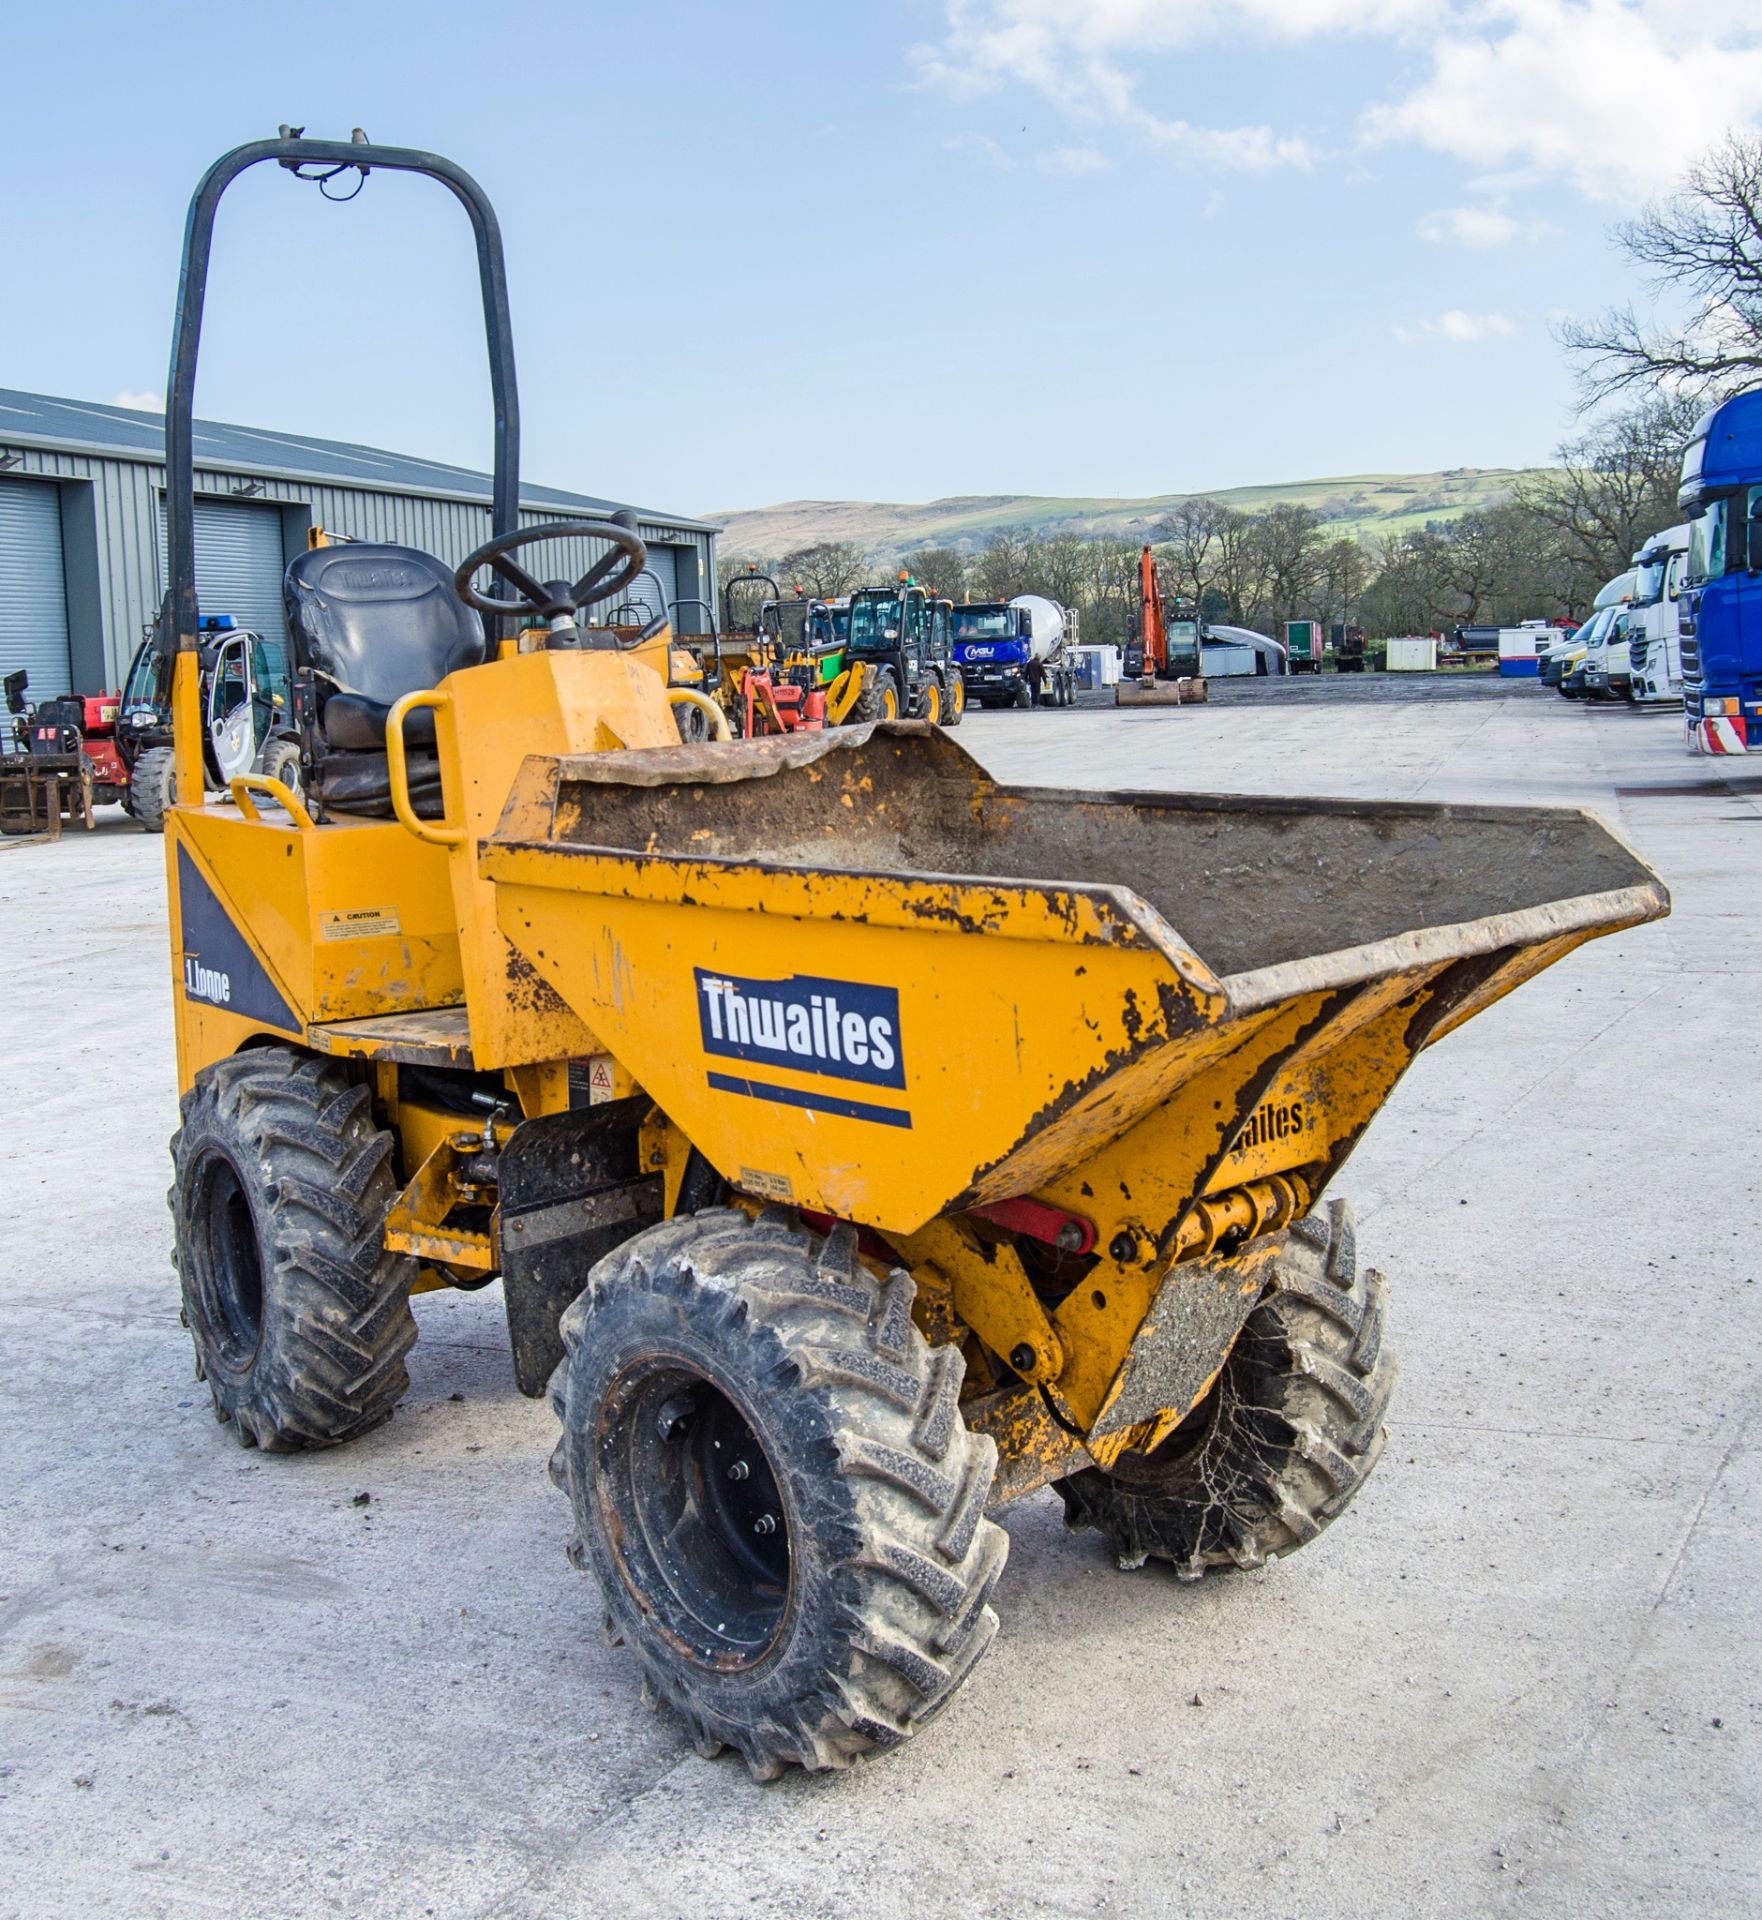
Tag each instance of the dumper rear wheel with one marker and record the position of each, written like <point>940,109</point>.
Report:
<point>1282,1443</point>
<point>300,1317</point>
<point>773,1484</point>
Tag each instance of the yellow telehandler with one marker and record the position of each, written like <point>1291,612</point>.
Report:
<point>859,1143</point>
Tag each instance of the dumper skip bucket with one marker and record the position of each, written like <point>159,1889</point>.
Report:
<point>866,978</point>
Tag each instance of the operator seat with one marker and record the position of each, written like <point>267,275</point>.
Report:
<point>369,624</point>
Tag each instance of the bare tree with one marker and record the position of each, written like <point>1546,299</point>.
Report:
<point>1343,571</point>
<point>1109,589</point>
<point>1001,568</point>
<point>1191,535</point>
<point>942,569</point>
<point>1240,572</point>
<point>1409,585</point>
<point>1289,541</point>
<point>1616,486</point>
<point>1705,241</point>
<point>828,568</point>
<point>1061,567</point>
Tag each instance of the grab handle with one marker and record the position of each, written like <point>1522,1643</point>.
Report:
<point>690,697</point>
<point>243,785</point>
<point>398,770</point>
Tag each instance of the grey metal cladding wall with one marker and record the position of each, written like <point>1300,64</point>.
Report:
<point>126,500</point>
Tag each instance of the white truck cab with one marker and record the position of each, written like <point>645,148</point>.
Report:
<point>1653,639</point>
<point>1644,632</point>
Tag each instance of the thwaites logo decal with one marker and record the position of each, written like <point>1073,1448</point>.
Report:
<point>1275,1120</point>
<point>218,967</point>
<point>838,1030</point>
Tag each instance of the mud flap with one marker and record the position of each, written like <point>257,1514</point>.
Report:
<point>1184,1339</point>
<point>571,1190</point>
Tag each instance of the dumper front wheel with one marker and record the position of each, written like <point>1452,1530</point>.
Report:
<point>773,1484</point>
<point>1282,1443</point>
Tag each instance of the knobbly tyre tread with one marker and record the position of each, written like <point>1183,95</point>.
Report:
<point>1295,1432</point>
<point>336,1316</point>
<point>954,698</point>
<point>894,1483</point>
<point>868,704</point>
<point>280,760</point>
<point>152,785</point>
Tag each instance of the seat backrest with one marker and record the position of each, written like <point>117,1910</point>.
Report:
<point>378,621</point>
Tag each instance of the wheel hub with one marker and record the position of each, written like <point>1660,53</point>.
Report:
<point>229,1269</point>
<point>697,1524</point>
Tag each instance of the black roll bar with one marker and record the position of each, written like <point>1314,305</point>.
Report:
<point>331,157</point>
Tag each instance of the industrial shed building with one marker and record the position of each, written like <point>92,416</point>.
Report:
<point>82,529</point>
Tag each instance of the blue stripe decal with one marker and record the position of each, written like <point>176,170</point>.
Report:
<point>818,1102</point>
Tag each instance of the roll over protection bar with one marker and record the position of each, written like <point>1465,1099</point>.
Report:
<point>178,630</point>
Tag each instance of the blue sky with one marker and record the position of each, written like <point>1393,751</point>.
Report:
<point>888,251</point>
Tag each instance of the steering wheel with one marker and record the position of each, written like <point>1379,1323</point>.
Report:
<point>555,599</point>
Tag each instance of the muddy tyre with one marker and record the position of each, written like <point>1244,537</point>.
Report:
<point>954,698</point>
<point>153,783</point>
<point>281,1183</point>
<point>878,699</point>
<point>1283,1442</point>
<point>772,1482</point>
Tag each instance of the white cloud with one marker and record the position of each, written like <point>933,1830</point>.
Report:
<point>1482,227</point>
<point>1615,97</point>
<point>1071,51</point>
<point>142,402</point>
<point>1070,162</point>
<point>1458,327</point>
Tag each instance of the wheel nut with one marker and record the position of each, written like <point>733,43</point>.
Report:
<point>739,1470</point>
<point>765,1523</point>
<point>1022,1358</point>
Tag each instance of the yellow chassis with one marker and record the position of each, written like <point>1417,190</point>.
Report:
<point>1053,1040</point>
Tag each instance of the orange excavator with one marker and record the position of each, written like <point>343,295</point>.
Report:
<point>1162,665</point>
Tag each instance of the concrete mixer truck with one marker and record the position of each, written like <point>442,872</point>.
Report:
<point>1010,651</point>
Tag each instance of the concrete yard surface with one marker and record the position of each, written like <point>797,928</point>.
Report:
<point>1519,1677</point>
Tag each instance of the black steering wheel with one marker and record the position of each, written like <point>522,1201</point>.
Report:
<point>555,599</point>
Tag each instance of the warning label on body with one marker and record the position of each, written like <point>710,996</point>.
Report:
<point>358,923</point>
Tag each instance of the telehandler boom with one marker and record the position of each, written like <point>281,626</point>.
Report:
<point>821,1251</point>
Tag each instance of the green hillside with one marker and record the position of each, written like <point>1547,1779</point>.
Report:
<point>1359,504</point>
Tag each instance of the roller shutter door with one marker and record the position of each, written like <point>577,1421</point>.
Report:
<point>239,569</point>
<point>644,592</point>
<point>33,591</point>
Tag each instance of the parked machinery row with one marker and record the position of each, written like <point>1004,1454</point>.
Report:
<point>779,664</point>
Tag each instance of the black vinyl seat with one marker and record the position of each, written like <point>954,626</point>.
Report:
<point>369,624</point>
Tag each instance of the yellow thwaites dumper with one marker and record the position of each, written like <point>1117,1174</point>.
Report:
<point>859,1143</point>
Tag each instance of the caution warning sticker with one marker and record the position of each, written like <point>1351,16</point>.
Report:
<point>358,923</point>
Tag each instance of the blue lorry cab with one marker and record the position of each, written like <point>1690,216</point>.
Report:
<point>1721,609</point>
